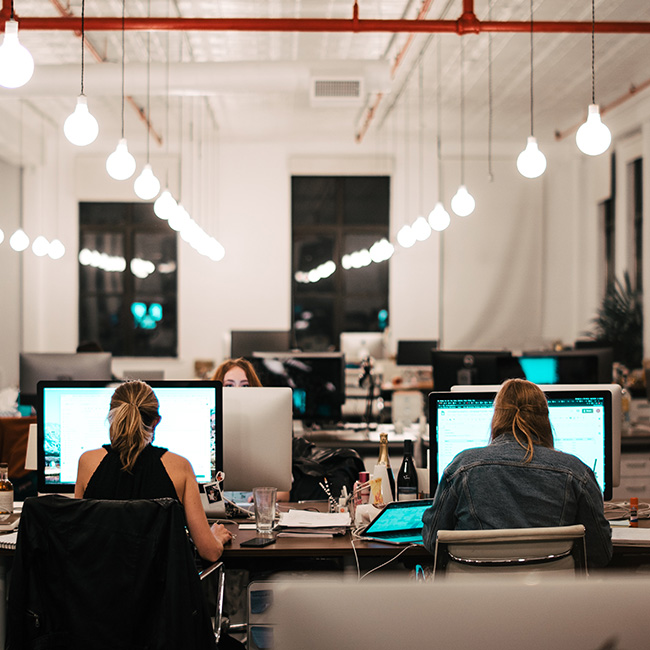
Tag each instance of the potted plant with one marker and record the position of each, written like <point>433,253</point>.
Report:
<point>619,323</point>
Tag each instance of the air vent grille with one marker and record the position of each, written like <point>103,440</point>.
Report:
<point>331,91</point>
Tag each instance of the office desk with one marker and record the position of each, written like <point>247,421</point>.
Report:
<point>338,553</point>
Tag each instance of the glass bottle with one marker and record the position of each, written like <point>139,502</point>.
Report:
<point>384,460</point>
<point>407,478</point>
<point>6,490</point>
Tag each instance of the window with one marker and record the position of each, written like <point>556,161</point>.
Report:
<point>127,280</point>
<point>333,216</point>
<point>636,208</point>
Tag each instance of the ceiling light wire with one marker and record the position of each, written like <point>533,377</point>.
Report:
<point>490,99</point>
<point>439,117</point>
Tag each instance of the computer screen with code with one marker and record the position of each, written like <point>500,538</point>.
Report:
<point>581,423</point>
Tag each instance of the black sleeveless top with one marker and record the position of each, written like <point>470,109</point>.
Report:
<point>147,480</point>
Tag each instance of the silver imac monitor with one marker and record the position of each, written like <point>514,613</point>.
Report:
<point>617,413</point>
<point>357,346</point>
<point>60,366</point>
<point>257,435</point>
<point>563,614</point>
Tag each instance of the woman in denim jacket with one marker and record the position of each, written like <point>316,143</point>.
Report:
<point>519,480</point>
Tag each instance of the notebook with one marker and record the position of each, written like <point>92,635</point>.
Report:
<point>400,522</point>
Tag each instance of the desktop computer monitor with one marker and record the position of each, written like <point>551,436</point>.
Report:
<point>317,380</point>
<point>415,353</point>
<point>357,346</point>
<point>617,413</point>
<point>581,422</point>
<point>243,343</point>
<point>257,438</point>
<point>72,418</point>
<point>60,366</point>
<point>582,366</point>
<point>469,367</point>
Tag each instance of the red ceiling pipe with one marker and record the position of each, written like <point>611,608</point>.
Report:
<point>464,25</point>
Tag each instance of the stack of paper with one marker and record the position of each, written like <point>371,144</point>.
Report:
<point>626,536</point>
<point>299,523</point>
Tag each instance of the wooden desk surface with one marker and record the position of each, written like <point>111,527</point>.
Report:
<point>339,546</point>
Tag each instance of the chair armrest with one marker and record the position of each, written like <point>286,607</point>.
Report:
<point>211,569</point>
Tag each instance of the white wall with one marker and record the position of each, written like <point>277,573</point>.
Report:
<point>522,271</point>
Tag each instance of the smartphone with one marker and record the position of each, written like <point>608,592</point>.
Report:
<point>258,542</point>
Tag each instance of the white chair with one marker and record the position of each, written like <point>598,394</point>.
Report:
<point>510,551</point>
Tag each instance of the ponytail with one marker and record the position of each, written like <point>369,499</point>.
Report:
<point>132,416</point>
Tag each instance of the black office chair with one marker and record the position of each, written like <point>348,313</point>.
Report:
<point>92,574</point>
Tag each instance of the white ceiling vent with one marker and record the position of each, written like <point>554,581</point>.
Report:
<point>336,91</point>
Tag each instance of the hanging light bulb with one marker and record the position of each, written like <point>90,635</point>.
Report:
<point>16,62</point>
<point>593,137</point>
<point>19,241</point>
<point>405,236</point>
<point>120,165</point>
<point>81,128</point>
<point>2,235</point>
<point>531,162</point>
<point>146,185</point>
<point>57,249</point>
<point>439,218</point>
<point>164,205</point>
<point>421,229</point>
<point>41,246</point>
<point>463,202</point>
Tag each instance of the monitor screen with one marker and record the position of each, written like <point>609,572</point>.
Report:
<point>469,367</point>
<point>60,366</point>
<point>581,422</point>
<point>257,438</point>
<point>357,346</point>
<point>317,380</point>
<point>583,366</point>
<point>243,343</point>
<point>72,418</point>
<point>415,353</point>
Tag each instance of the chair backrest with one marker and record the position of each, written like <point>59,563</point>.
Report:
<point>119,571</point>
<point>511,551</point>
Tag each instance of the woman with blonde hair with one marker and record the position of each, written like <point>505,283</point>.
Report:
<point>131,467</point>
<point>520,480</point>
<point>237,373</point>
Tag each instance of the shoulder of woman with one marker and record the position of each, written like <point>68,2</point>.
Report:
<point>176,462</point>
<point>91,459</point>
<point>93,455</point>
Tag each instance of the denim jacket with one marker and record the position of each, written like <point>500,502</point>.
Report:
<point>492,487</point>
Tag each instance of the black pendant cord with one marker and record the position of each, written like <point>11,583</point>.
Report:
<point>532,133</point>
<point>593,52</point>
<point>148,83</point>
<point>83,42</point>
<point>490,121</point>
<point>439,118</point>
<point>123,23</point>
<point>462,111</point>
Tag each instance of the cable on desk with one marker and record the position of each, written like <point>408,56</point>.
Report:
<point>381,566</point>
<point>621,510</point>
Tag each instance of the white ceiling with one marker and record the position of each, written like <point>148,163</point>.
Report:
<point>255,100</point>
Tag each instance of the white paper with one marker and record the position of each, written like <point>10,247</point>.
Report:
<point>640,536</point>
<point>307,519</point>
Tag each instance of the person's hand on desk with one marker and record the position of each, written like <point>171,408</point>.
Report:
<point>221,533</point>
